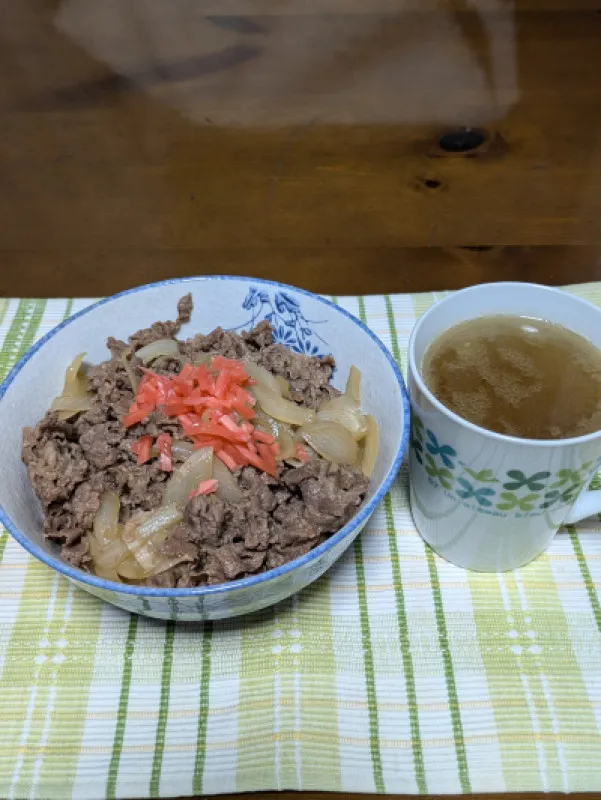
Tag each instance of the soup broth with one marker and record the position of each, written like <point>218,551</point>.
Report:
<point>518,376</point>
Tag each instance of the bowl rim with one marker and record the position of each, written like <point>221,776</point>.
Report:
<point>359,519</point>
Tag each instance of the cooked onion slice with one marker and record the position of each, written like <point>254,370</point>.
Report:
<point>144,533</point>
<point>370,451</point>
<point>105,544</point>
<point>266,423</point>
<point>131,373</point>
<point>284,385</point>
<point>162,347</point>
<point>109,555</point>
<point>106,521</point>
<point>279,430</point>
<point>263,377</point>
<point>106,559</point>
<point>74,397</point>
<point>281,409</point>
<point>203,358</point>
<point>151,522</point>
<point>286,444</point>
<point>130,569</point>
<point>197,468</point>
<point>345,412</point>
<point>331,441</point>
<point>71,405</point>
<point>74,385</point>
<point>181,449</point>
<point>228,489</point>
<point>353,385</point>
<point>107,574</point>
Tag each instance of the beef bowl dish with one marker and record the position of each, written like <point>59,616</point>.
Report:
<point>201,448</point>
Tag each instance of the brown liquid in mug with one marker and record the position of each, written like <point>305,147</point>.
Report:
<point>518,376</point>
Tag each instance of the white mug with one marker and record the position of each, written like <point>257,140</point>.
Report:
<point>483,500</point>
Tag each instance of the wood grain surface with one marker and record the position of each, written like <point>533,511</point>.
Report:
<point>317,142</point>
<point>141,140</point>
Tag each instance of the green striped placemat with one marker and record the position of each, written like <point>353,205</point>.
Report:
<point>396,672</point>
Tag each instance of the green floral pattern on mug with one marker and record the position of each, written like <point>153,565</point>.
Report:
<point>446,453</point>
<point>518,480</point>
<point>483,476</point>
<point>510,501</point>
<point>571,475</point>
<point>518,492</point>
<point>444,475</point>
<point>481,495</point>
<point>558,498</point>
<point>417,436</point>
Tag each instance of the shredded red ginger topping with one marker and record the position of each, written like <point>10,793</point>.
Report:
<point>213,407</point>
<point>205,487</point>
<point>301,453</point>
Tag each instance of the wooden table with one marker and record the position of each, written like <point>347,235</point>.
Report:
<point>341,145</point>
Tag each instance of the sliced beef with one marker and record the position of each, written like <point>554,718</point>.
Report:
<point>85,501</point>
<point>259,337</point>
<point>158,330</point>
<point>279,554</point>
<point>179,545</point>
<point>293,526</point>
<point>97,415</point>
<point>247,524</point>
<point>213,522</point>
<point>55,464</point>
<point>52,427</point>
<point>230,344</point>
<point>204,518</point>
<point>61,527</point>
<point>117,348</point>
<point>327,502</point>
<point>140,486</point>
<point>158,423</point>
<point>185,307</point>
<point>101,444</point>
<point>163,330</point>
<point>263,491</point>
<point>231,561</point>
<point>110,383</point>
<point>185,574</point>
<point>77,554</point>
<point>226,343</point>
<point>166,365</point>
<point>277,519</point>
<point>309,378</point>
<point>315,468</point>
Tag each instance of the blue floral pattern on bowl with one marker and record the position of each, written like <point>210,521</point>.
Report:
<point>284,313</point>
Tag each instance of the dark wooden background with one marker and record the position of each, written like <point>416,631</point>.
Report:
<point>141,140</point>
<point>299,140</point>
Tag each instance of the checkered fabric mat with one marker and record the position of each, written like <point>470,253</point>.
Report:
<point>396,672</point>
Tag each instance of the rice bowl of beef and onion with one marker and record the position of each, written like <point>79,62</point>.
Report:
<point>199,448</point>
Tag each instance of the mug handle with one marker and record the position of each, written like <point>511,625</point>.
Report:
<point>588,503</point>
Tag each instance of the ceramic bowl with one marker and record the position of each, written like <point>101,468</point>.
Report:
<point>302,321</point>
